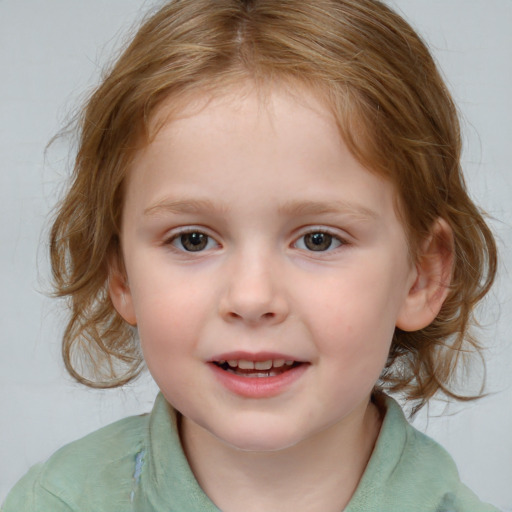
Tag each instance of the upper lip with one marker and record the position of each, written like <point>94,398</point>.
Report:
<point>252,356</point>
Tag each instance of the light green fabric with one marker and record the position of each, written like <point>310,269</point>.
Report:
<point>137,464</point>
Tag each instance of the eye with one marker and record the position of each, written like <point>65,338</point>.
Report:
<point>193,241</point>
<point>318,241</point>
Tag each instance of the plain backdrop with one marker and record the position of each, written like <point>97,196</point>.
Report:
<point>51,54</point>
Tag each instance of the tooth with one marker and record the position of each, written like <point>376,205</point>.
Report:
<point>277,363</point>
<point>245,365</point>
<point>263,365</point>
<point>233,363</point>
<point>288,363</point>
<point>222,361</point>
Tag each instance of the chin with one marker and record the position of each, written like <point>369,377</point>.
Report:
<point>265,438</point>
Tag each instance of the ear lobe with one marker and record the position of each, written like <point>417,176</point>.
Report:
<point>432,283</point>
<point>120,293</point>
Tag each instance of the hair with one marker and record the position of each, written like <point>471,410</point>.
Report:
<point>393,111</point>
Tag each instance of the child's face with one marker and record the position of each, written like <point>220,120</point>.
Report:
<point>251,235</point>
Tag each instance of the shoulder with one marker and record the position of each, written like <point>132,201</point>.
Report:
<point>410,472</point>
<point>87,474</point>
<point>427,472</point>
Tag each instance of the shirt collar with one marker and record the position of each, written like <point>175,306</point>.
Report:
<point>169,484</point>
<point>168,481</point>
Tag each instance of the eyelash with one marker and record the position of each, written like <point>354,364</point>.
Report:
<point>177,238</point>
<point>203,241</point>
<point>332,238</point>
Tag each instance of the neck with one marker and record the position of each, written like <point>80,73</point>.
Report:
<point>320,473</point>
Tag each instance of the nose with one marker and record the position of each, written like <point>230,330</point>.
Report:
<point>254,292</point>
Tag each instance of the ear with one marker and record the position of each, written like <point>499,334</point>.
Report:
<point>433,277</point>
<point>119,290</point>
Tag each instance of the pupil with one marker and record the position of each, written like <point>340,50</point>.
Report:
<point>194,241</point>
<point>317,238</point>
<point>318,241</point>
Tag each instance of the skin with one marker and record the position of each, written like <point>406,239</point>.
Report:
<point>256,178</point>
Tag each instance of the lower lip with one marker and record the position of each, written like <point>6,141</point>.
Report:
<point>258,387</point>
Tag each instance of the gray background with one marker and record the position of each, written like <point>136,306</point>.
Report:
<point>51,54</point>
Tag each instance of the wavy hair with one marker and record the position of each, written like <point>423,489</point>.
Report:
<point>393,111</point>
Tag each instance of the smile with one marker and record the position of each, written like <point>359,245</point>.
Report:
<point>256,369</point>
<point>262,375</point>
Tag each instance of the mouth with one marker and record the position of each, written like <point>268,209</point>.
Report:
<point>257,369</point>
<point>257,376</point>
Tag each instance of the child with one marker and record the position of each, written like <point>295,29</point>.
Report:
<point>267,208</point>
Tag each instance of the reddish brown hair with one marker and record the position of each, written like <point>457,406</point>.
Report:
<point>393,110</point>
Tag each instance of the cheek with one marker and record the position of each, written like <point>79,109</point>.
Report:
<point>168,337</point>
<point>168,314</point>
<point>353,319</point>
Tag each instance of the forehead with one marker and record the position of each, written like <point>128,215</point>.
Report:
<point>262,98</point>
<point>339,109</point>
<point>242,120</point>
<point>281,144</point>
<point>272,114</point>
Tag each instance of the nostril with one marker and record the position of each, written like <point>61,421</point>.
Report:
<point>269,315</point>
<point>252,309</point>
<point>263,317</point>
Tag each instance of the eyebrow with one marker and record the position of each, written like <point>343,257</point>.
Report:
<point>184,206</point>
<point>294,208</point>
<point>308,207</point>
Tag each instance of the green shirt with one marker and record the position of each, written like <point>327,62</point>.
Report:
<point>138,464</point>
